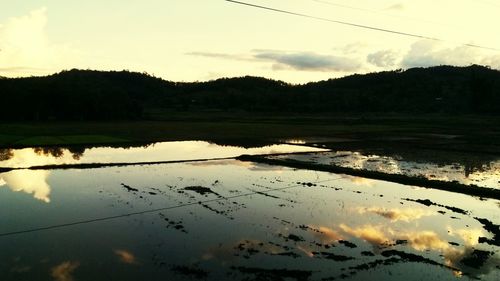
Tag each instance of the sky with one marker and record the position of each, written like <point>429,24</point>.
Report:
<point>199,40</point>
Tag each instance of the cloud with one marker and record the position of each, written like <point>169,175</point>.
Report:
<point>353,48</point>
<point>25,48</point>
<point>286,60</point>
<point>396,7</point>
<point>218,55</point>
<point>20,69</point>
<point>307,61</point>
<point>493,61</point>
<point>384,58</point>
<point>426,53</point>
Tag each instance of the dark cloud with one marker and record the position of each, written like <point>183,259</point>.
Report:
<point>303,61</point>
<point>307,61</point>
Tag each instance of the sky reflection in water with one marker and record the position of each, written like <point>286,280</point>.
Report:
<point>163,151</point>
<point>485,174</point>
<point>234,225</point>
<point>35,182</point>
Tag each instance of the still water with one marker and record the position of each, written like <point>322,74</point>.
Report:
<point>155,152</point>
<point>233,220</point>
<point>465,168</point>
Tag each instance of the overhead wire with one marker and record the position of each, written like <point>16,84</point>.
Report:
<point>335,4</point>
<point>108,218</point>
<point>362,26</point>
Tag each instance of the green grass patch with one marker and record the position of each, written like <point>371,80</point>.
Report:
<point>472,129</point>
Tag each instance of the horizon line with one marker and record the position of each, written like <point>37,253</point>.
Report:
<point>400,69</point>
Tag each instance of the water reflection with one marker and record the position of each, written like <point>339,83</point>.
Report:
<point>28,157</point>
<point>229,252</point>
<point>373,234</point>
<point>64,271</point>
<point>382,237</point>
<point>397,214</point>
<point>325,234</point>
<point>126,257</point>
<point>5,154</point>
<point>481,172</point>
<point>28,181</point>
<point>214,226</point>
<point>231,162</point>
<point>157,152</point>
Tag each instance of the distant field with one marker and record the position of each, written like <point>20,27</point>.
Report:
<point>469,132</point>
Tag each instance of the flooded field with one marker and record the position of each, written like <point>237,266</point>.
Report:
<point>233,220</point>
<point>156,152</point>
<point>464,170</point>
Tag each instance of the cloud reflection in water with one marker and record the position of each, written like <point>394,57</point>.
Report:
<point>64,271</point>
<point>396,214</point>
<point>126,257</point>
<point>28,181</point>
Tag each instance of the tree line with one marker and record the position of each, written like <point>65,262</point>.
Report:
<point>124,95</point>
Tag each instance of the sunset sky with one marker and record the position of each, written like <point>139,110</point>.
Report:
<point>188,40</point>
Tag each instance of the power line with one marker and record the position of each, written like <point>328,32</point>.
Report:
<point>356,25</point>
<point>335,21</point>
<point>377,12</point>
<point>37,229</point>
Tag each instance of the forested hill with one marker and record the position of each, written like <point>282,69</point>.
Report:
<point>97,95</point>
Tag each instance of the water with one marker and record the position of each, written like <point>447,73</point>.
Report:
<point>233,220</point>
<point>156,152</point>
<point>467,169</point>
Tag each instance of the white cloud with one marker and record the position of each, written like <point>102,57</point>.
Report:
<point>384,58</point>
<point>429,53</point>
<point>25,48</point>
<point>492,61</point>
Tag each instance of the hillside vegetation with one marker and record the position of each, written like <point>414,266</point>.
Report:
<point>97,95</point>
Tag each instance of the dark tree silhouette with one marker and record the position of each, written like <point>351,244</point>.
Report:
<point>96,95</point>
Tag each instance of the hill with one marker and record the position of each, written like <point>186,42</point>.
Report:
<point>123,95</point>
